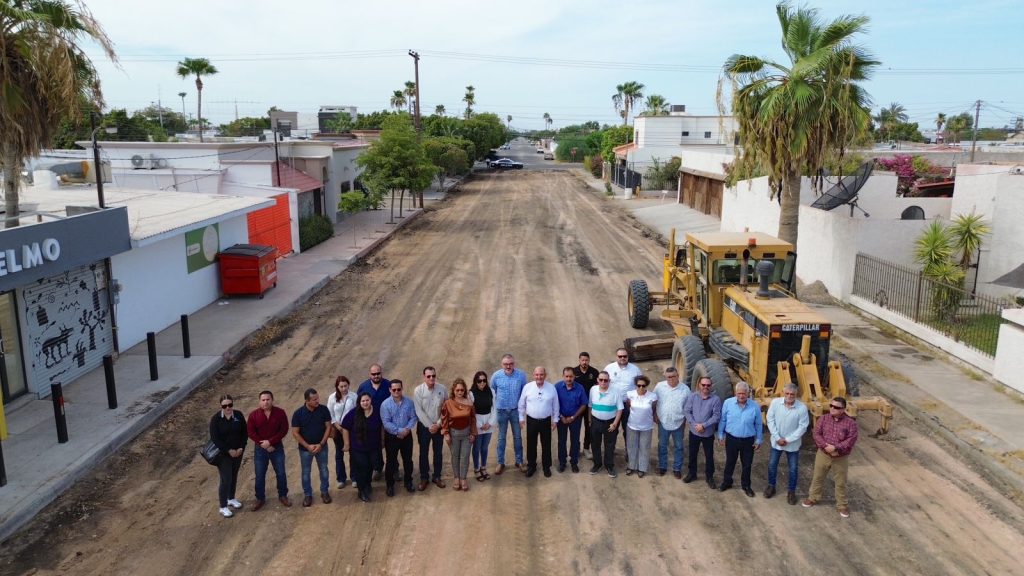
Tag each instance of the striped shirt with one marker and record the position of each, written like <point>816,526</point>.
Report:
<point>604,405</point>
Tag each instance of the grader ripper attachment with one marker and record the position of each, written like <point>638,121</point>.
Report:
<point>764,334</point>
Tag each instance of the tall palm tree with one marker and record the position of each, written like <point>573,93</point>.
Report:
<point>888,118</point>
<point>398,100</point>
<point>796,116</point>
<point>656,105</point>
<point>199,67</point>
<point>547,120</point>
<point>439,109</point>
<point>45,76</point>
<point>940,121</point>
<point>410,93</point>
<point>508,121</point>
<point>470,100</point>
<point>627,94</point>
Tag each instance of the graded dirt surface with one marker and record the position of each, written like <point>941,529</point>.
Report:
<point>535,264</point>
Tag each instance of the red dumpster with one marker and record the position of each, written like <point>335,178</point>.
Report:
<point>248,269</point>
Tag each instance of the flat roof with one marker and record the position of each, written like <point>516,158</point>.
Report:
<point>153,215</point>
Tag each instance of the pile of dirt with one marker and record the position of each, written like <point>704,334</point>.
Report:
<point>814,293</point>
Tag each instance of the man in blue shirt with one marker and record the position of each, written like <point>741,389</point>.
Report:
<point>572,404</point>
<point>399,417</point>
<point>379,389</point>
<point>311,425</point>
<point>741,432</point>
<point>507,385</point>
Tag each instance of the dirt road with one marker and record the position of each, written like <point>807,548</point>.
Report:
<point>534,264</point>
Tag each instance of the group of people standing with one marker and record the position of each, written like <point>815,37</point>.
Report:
<point>376,426</point>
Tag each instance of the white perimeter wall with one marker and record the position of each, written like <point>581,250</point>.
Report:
<point>991,190</point>
<point>157,288</point>
<point>747,205</point>
<point>1009,365</point>
<point>878,198</point>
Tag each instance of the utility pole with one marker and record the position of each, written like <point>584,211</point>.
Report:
<point>416,62</point>
<point>96,160</point>
<point>277,159</point>
<point>974,137</point>
<point>159,106</point>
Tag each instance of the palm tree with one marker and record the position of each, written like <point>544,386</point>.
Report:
<point>45,77</point>
<point>470,100</point>
<point>184,116</point>
<point>940,121</point>
<point>398,100</point>
<point>625,96</point>
<point>439,109</point>
<point>550,122</point>
<point>547,119</point>
<point>656,106</point>
<point>508,121</point>
<point>796,116</point>
<point>410,93</point>
<point>199,67</point>
<point>966,233</point>
<point>888,118</point>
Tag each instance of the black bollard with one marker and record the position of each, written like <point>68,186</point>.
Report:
<point>151,344</point>
<point>186,345</point>
<point>3,468</point>
<point>57,395</point>
<point>108,372</point>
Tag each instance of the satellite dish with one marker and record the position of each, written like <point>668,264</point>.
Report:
<point>845,191</point>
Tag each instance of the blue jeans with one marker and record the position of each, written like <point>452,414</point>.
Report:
<point>306,458</point>
<point>263,460</point>
<point>792,462</point>
<point>509,417</point>
<point>572,432</point>
<point>480,446</point>
<point>677,448</point>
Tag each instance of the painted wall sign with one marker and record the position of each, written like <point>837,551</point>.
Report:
<point>201,247</point>
<point>34,251</point>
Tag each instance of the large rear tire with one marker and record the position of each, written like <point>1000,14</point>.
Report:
<point>686,352</point>
<point>639,303</point>
<point>721,384</point>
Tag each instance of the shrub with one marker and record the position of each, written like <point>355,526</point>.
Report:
<point>608,189</point>
<point>314,230</point>
<point>595,164</point>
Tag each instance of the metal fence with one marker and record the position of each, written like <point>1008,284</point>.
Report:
<point>970,319</point>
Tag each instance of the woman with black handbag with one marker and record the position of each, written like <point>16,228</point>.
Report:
<point>228,432</point>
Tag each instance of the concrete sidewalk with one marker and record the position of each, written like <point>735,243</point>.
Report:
<point>39,469</point>
<point>978,415</point>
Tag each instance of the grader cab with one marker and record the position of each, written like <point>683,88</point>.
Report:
<point>729,300</point>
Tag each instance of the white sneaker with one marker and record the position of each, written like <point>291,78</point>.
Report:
<point>354,485</point>
<point>341,485</point>
<point>234,504</point>
<point>226,512</point>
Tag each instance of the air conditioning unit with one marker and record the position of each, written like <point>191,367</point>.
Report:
<point>148,162</point>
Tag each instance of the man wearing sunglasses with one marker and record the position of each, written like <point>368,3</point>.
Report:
<point>834,434</point>
<point>623,374</point>
<point>399,418</point>
<point>703,411</point>
<point>427,398</point>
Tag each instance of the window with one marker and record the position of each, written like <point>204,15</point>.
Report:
<point>707,134</point>
<point>686,133</point>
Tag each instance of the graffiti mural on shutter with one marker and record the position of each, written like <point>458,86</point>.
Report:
<point>69,325</point>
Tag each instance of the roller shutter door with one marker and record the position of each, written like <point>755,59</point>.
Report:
<point>272,226</point>
<point>69,325</point>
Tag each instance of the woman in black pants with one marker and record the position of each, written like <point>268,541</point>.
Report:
<point>228,432</point>
<point>363,433</point>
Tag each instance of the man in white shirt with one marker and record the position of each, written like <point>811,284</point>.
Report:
<point>427,399</point>
<point>671,401</point>
<point>538,415</point>
<point>623,374</point>
<point>788,420</point>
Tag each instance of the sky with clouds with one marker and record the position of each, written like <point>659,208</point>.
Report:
<point>528,57</point>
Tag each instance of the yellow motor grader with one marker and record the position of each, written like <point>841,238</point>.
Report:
<point>729,299</point>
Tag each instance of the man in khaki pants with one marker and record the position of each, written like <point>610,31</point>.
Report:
<point>834,434</point>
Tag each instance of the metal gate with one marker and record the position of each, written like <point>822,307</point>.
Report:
<point>69,327</point>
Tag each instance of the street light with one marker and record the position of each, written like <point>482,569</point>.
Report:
<point>96,154</point>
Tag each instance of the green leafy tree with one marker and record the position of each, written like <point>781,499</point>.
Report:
<point>889,118</point>
<point>374,120</point>
<point>397,162</point>
<point>959,127</point>
<point>656,105</point>
<point>940,121</point>
<point>470,100</point>
<point>627,94</point>
<point>341,123</point>
<point>45,76</point>
<point>442,126</point>
<point>439,110</point>
<point>197,67</point>
<point>449,155</point>
<point>247,126</point>
<point>613,137</point>
<point>794,116</point>
<point>352,203</point>
<point>485,131</point>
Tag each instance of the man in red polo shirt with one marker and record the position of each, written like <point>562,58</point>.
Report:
<point>267,427</point>
<point>835,434</point>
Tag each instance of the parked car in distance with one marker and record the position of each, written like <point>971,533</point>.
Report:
<point>506,164</point>
<point>549,156</point>
<point>540,150</point>
<point>506,146</point>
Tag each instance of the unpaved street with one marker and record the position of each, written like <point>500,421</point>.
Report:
<point>535,264</point>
